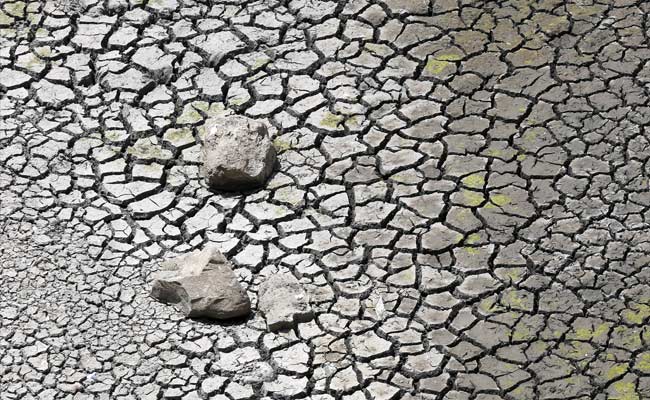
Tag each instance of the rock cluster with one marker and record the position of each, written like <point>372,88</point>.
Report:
<point>237,153</point>
<point>202,284</point>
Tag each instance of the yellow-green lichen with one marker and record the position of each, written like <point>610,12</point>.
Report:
<point>540,346</point>
<point>490,306</point>
<point>522,333</point>
<point>473,199</point>
<point>8,33</point>
<point>179,136</point>
<point>34,18</point>
<point>643,363</point>
<point>494,152</point>
<point>637,314</point>
<point>579,10</point>
<point>215,110</point>
<point>628,337</point>
<point>511,274</point>
<point>115,136</point>
<point>436,65</point>
<point>260,62</point>
<point>16,9</point>
<point>330,120</point>
<point>616,370</point>
<point>549,24</point>
<point>591,333</point>
<point>191,114</point>
<point>189,117</point>
<point>376,47</point>
<point>144,148</point>
<point>237,101</point>
<point>201,131</point>
<point>473,238</point>
<point>530,136</point>
<point>500,199</point>
<point>281,145</point>
<point>43,51</point>
<point>474,181</point>
<point>514,299</point>
<point>485,24</point>
<point>33,62</point>
<point>462,214</point>
<point>42,33</point>
<point>624,391</point>
<point>574,350</point>
<point>5,19</point>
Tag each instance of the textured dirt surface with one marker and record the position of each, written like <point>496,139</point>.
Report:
<point>462,189</point>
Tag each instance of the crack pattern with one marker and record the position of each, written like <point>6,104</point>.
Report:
<point>462,189</point>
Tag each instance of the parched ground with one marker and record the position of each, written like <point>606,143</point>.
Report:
<point>462,189</point>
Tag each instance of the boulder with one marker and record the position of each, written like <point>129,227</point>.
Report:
<point>201,284</point>
<point>237,153</point>
<point>283,302</point>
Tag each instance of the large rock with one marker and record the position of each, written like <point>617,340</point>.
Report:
<point>283,302</point>
<point>202,284</point>
<point>237,153</point>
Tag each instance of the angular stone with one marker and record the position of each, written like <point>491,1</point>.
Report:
<point>283,302</point>
<point>202,284</point>
<point>237,154</point>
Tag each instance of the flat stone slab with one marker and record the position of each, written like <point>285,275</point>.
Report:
<point>201,284</point>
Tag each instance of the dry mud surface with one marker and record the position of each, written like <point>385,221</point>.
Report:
<point>462,189</point>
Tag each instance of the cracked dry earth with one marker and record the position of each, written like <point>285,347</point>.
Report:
<point>462,188</point>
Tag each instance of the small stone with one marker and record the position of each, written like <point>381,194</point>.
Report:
<point>203,285</point>
<point>237,153</point>
<point>283,302</point>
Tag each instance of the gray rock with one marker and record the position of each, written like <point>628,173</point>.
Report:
<point>202,284</point>
<point>237,153</point>
<point>283,302</point>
